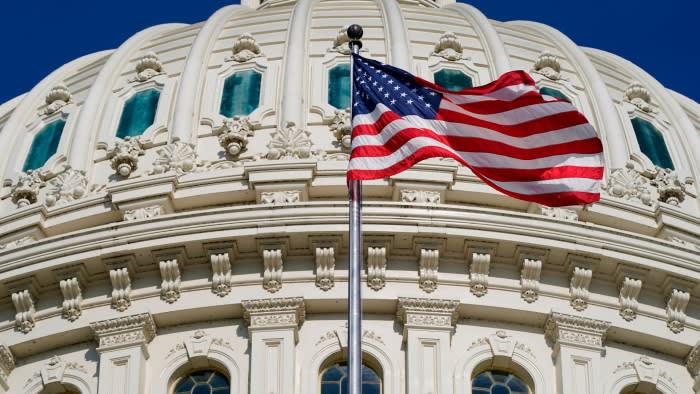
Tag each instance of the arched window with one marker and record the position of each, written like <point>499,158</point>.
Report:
<point>651,142</point>
<point>498,382</point>
<point>138,113</point>
<point>339,86</point>
<point>453,80</point>
<point>241,94</point>
<point>44,145</point>
<point>203,382</point>
<point>334,380</point>
<point>554,93</point>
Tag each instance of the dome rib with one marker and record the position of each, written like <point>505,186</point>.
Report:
<point>496,54</point>
<point>601,102</point>
<point>90,116</point>
<point>28,105</point>
<point>399,48</point>
<point>188,102</point>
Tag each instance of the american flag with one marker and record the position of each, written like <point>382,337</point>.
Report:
<point>526,145</point>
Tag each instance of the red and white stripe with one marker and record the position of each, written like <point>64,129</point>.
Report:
<point>525,145</point>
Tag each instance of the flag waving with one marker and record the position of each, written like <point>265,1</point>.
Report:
<point>526,145</point>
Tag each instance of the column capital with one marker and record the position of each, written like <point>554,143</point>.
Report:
<point>692,361</point>
<point>265,313</point>
<point>126,331</point>
<point>427,313</point>
<point>7,364</point>
<point>577,331</point>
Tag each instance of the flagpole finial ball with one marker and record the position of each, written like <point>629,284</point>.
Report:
<point>355,32</point>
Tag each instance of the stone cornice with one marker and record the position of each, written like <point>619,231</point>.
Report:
<point>127,331</point>
<point>427,313</point>
<point>563,329</point>
<point>287,312</point>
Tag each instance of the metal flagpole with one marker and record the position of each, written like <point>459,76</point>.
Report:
<point>355,251</point>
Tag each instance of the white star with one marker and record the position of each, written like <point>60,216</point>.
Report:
<point>393,101</point>
<point>427,105</point>
<point>403,94</point>
<point>374,83</point>
<point>384,75</point>
<point>420,97</point>
<point>414,90</point>
<point>381,88</point>
<point>432,93</point>
<point>397,87</point>
<point>409,101</point>
<point>356,104</point>
<point>386,95</point>
<point>391,81</point>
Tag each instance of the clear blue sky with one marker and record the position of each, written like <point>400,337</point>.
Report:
<point>39,36</point>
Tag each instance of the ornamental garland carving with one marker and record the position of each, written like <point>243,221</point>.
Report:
<point>147,67</point>
<point>245,48</point>
<point>58,97</point>
<point>234,134</point>
<point>559,213</point>
<point>449,48</point>
<point>340,127</point>
<point>178,157</point>
<point>124,156</point>
<point>280,197</point>
<point>143,212</point>
<point>289,142</point>
<point>420,196</point>
<point>660,184</point>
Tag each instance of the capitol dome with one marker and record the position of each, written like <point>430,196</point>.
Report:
<point>174,219</point>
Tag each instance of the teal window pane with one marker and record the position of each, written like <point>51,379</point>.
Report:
<point>203,382</point>
<point>334,380</point>
<point>498,382</point>
<point>554,93</point>
<point>138,113</point>
<point>44,145</point>
<point>241,94</point>
<point>652,144</point>
<point>339,86</point>
<point>453,80</point>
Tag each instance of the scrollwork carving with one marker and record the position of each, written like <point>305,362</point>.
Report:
<point>428,269</point>
<point>578,291</point>
<point>325,268</point>
<point>26,190</point>
<point>289,142</point>
<point>341,127</point>
<point>70,185</point>
<point>376,267</point>
<point>72,298</point>
<point>675,310</point>
<point>178,157</point>
<point>234,134</point>
<point>124,156</point>
<point>629,291</point>
<point>272,276</point>
<point>23,301</point>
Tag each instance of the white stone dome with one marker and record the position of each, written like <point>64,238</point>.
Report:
<point>185,187</point>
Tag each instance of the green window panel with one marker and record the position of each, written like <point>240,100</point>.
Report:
<point>339,86</point>
<point>652,144</point>
<point>203,382</point>
<point>498,382</point>
<point>138,113</point>
<point>554,93</point>
<point>44,145</point>
<point>453,80</point>
<point>334,380</point>
<point>241,94</point>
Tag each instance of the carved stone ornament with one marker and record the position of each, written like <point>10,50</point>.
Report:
<point>245,48</point>
<point>124,331</point>
<point>629,292</point>
<point>548,65</point>
<point>72,298</point>
<point>479,273</point>
<point>234,134</point>
<point>55,368</point>
<point>68,186</point>
<point>530,279</point>
<point>124,156</point>
<point>647,372</point>
<point>675,310</point>
<point>178,157</point>
<point>428,269</point>
<point>684,243</point>
<point>671,190</point>
<point>692,361</point>
<point>121,288</point>
<point>427,313</point>
<point>143,212</point>
<point>340,44</point>
<point>340,336</point>
<point>449,47</point>
<point>325,268</point>
<point>578,291</point>
<point>638,96</point>
<point>559,213</point>
<point>274,312</point>
<point>629,184</point>
<point>502,346</point>
<point>221,273</point>
<point>376,267</point>
<point>576,330</point>
<point>171,276</point>
<point>280,197</point>
<point>272,276</point>
<point>420,196</point>
<point>18,242</point>
<point>147,67</point>
<point>340,127</point>
<point>26,190</point>
<point>7,363</point>
<point>289,142</point>
<point>23,301</point>
<point>58,97</point>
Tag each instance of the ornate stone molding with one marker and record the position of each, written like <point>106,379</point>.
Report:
<point>53,372</point>
<point>234,134</point>
<point>150,211</point>
<point>171,275</point>
<point>502,347</point>
<point>26,190</point>
<point>126,331</point>
<point>24,293</point>
<point>147,67</point>
<point>479,272</point>
<point>629,292</point>
<point>637,95</point>
<point>670,189</point>
<point>660,184</point>
<point>72,298</point>
<point>376,267</point>
<point>578,290</point>
<point>273,265</point>
<point>420,196</point>
<point>70,185</point>
<point>340,43</point>
<point>531,267</point>
<point>199,345</point>
<point>274,312</point>
<point>280,197</point>
<point>428,269</point>
<point>340,127</point>
<point>559,213</point>
<point>427,313</point>
<point>340,336</point>
<point>58,97</point>
<point>124,156</point>
<point>647,373</point>
<point>221,273</point>
<point>547,64</point>
<point>18,242</point>
<point>449,48</point>
<point>120,278</point>
<point>692,361</point>
<point>7,365</point>
<point>578,331</point>
<point>178,157</point>
<point>325,268</point>
<point>289,142</point>
<point>675,310</point>
<point>245,48</point>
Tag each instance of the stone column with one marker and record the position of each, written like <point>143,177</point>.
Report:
<point>123,352</point>
<point>427,329</point>
<point>7,364</point>
<point>272,328</point>
<point>692,362</point>
<point>578,346</point>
